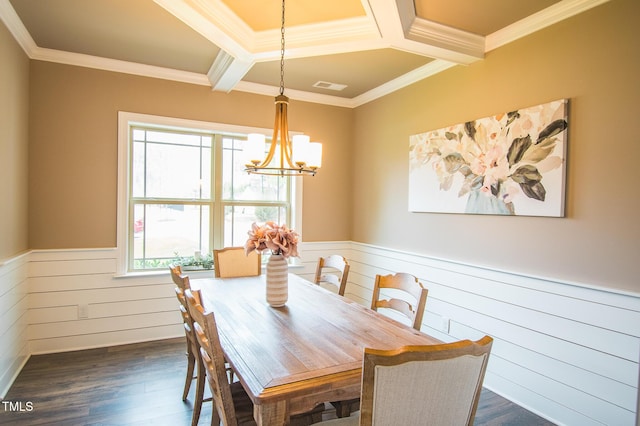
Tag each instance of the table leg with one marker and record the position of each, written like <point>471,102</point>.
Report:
<point>275,413</point>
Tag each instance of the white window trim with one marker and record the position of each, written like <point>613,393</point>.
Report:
<point>125,120</point>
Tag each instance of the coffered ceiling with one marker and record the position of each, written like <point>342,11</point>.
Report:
<point>338,52</point>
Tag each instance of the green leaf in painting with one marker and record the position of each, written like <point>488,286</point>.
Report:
<point>450,136</point>
<point>470,129</point>
<point>453,162</point>
<point>534,190</point>
<point>526,173</point>
<point>511,116</point>
<point>552,129</point>
<point>517,149</point>
<point>528,177</point>
<point>540,151</point>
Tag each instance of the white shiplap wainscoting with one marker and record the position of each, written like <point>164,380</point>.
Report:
<point>566,351</point>
<point>13,319</point>
<point>76,302</point>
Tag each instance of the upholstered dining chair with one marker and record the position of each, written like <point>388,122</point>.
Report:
<point>233,262</point>
<point>193,348</point>
<point>332,272</point>
<point>411,303</point>
<point>231,404</point>
<point>420,385</point>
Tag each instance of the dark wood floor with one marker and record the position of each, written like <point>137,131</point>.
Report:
<point>141,384</point>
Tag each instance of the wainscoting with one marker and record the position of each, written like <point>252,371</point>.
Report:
<point>565,351</point>
<point>13,319</point>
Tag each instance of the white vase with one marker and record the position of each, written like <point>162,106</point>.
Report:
<point>277,281</point>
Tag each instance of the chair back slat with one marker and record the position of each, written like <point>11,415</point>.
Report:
<point>334,271</point>
<point>412,306</point>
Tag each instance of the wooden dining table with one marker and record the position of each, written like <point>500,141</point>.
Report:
<point>309,351</point>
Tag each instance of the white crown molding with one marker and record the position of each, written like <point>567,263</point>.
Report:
<point>198,22</point>
<point>547,17</point>
<point>298,95</point>
<point>462,43</point>
<point>428,70</point>
<point>10,18</point>
<point>313,35</point>
<point>115,65</point>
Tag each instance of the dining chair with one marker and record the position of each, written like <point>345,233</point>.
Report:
<point>410,301</point>
<point>193,348</point>
<point>416,385</point>
<point>231,404</point>
<point>233,262</point>
<point>176,274</point>
<point>332,272</point>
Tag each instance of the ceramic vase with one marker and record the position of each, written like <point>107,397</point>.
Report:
<point>277,281</point>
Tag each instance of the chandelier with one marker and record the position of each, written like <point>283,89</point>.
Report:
<point>287,156</point>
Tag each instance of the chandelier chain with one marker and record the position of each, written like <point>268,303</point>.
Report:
<point>282,52</point>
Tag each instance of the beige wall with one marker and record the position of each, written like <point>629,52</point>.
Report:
<point>14,113</point>
<point>594,60</point>
<point>73,161</point>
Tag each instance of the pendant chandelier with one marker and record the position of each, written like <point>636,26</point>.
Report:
<point>286,156</point>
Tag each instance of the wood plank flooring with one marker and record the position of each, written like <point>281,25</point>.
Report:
<point>141,384</point>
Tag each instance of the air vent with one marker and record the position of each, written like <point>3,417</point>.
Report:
<point>330,86</point>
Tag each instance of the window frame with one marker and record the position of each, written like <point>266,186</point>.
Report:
<point>124,234</point>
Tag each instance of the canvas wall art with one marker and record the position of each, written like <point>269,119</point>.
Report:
<point>507,164</point>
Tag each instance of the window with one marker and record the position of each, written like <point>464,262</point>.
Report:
<point>183,190</point>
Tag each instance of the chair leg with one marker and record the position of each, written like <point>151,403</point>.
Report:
<point>191,361</point>
<point>197,404</point>
<point>345,408</point>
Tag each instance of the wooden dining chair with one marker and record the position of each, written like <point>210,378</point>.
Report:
<point>233,262</point>
<point>195,368</point>
<point>419,385</point>
<point>231,404</point>
<point>332,272</point>
<point>410,302</point>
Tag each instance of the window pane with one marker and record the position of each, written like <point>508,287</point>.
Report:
<point>240,186</point>
<point>163,230</point>
<point>238,220</point>
<point>173,171</point>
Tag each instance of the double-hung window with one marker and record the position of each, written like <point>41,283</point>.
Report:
<point>183,191</point>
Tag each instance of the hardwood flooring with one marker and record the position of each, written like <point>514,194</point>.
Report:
<point>141,384</point>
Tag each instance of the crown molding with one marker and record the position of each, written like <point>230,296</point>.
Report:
<point>347,31</point>
<point>15,26</point>
<point>538,21</point>
<point>115,65</point>
<point>463,44</point>
<point>202,25</point>
<point>298,95</point>
<point>432,68</point>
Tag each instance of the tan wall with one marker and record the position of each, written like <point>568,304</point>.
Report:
<point>73,161</point>
<point>14,114</point>
<point>594,60</point>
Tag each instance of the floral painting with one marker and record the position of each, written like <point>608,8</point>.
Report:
<point>508,164</point>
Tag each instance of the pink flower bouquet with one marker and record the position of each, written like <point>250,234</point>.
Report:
<point>271,236</point>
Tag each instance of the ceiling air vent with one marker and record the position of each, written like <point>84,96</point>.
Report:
<point>330,86</point>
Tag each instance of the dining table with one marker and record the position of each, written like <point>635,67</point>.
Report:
<point>309,351</point>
